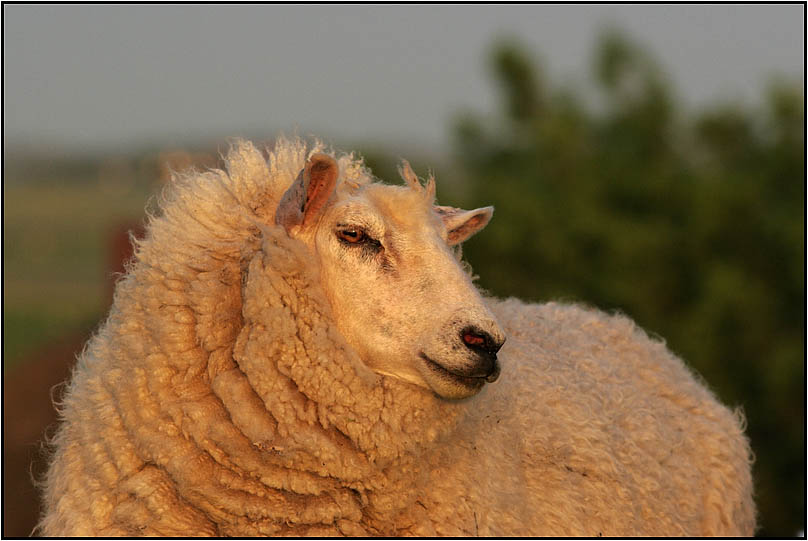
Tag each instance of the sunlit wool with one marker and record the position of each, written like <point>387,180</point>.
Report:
<point>222,397</point>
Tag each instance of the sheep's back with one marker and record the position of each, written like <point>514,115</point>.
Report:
<point>617,434</point>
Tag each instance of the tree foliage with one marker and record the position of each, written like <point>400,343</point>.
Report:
<point>692,223</point>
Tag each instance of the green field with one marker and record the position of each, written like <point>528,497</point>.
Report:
<point>55,247</point>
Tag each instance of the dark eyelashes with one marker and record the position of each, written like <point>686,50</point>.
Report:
<point>353,236</point>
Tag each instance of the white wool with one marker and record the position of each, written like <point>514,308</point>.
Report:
<point>230,393</point>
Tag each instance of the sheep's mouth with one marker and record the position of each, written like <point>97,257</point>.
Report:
<point>470,382</point>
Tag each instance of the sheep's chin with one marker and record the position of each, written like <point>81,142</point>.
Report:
<point>438,380</point>
<point>446,384</point>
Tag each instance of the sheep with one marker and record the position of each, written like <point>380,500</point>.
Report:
<point>299,349</point>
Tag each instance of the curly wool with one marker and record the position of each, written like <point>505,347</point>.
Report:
<point>219,399</point>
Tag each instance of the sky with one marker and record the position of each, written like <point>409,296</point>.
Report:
<point>100,77</point>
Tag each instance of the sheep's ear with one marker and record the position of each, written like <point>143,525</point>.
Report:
<point>461,224</point>
<point>308,194</point>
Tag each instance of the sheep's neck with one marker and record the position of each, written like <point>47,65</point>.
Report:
<point>323,411</point>
<point>297,429</point>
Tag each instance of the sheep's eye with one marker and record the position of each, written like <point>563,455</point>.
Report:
<point>351,235</point>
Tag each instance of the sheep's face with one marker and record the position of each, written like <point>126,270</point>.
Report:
<point>397,290</point>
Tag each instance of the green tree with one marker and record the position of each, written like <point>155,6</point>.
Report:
<point>691,223</point>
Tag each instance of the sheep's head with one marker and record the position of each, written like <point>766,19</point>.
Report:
<point>398,292</point>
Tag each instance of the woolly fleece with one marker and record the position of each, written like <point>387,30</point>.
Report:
<point>218,399</point>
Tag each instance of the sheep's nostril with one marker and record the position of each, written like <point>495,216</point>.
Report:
<point>480,340</point>
<point>472,339</point>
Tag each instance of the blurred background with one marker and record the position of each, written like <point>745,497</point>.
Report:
<point>643,159</point>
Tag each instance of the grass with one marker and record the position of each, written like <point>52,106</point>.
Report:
<point>55,256</point>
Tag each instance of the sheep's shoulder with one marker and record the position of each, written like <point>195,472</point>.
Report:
<point>581,347</point>
<point>599,404</point>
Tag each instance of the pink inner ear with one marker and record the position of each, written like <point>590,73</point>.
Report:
<point>462,224</point>
<point>323,173</point>
<point>466,229</point>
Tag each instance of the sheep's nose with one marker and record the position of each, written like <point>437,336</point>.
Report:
<point>479,340</point>
<point>486,348</point>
